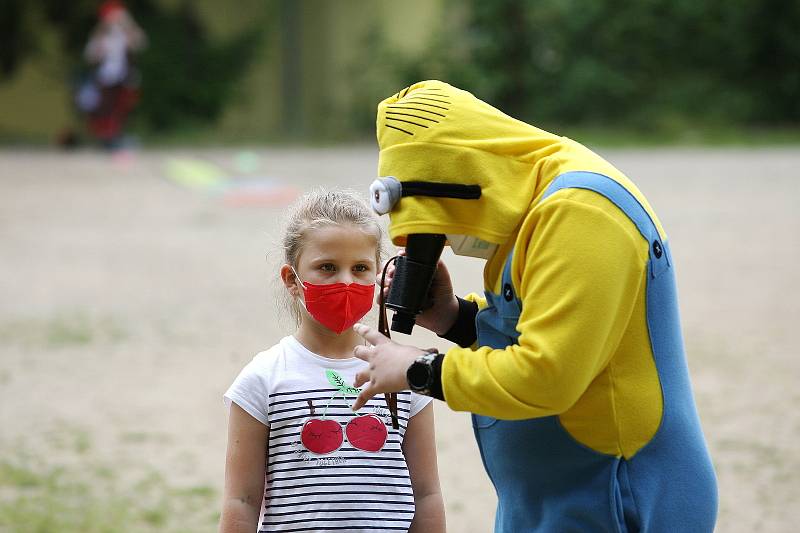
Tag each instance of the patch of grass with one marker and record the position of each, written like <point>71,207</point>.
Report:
<point>19,475</point>
<point>200,491</point>
<point>140,437</point>
<point>68,331</point>
<point>38,498</point>
<point>135,437</point>
<point>62,330</point>
<point>70,438</point>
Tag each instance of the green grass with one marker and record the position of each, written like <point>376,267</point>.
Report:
<point>72,439</point>
<point>64,329</point>
<point>91,498</point>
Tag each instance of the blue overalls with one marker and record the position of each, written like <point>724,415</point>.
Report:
<point>546,480</point>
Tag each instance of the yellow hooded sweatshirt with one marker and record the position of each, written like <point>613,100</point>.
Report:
<point>570,270</point>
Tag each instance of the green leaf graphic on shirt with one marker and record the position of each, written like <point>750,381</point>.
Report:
<point>337,381</point>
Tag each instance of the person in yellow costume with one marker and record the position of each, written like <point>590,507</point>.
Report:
<point>572,359</point>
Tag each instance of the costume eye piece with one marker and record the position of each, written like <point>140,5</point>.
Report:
<point>384,193</point>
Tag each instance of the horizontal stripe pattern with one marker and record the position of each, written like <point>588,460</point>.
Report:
<point>346,490</point>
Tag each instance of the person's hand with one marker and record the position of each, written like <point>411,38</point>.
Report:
<point>388,363</point>
<point>441,309</point>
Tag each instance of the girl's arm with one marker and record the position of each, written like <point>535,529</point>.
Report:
<point>419,448</point>
<point>244,472</point>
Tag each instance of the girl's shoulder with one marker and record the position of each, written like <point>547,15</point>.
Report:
<point>272,355</point>
<point>284,356</point>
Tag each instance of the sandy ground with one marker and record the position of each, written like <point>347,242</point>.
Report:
<point>129,303</point>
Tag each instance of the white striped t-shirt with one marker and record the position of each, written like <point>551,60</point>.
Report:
<point>345,490</point>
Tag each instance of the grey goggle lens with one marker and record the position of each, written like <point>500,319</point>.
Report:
<point>384,193</point>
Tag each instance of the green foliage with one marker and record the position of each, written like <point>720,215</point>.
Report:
<point>380,70</point>
<point>658,66</point>
<point>15,43</point>
<point>187,75</point>
<point>648,63</point>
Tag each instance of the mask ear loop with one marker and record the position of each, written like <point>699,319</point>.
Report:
<point>383,327</point>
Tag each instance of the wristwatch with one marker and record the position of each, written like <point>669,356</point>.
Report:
<point>420,375</point>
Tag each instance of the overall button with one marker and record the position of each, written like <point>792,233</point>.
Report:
<point>508,292</point>
<point>657,250</point>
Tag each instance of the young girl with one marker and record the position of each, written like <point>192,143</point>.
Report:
<point>298,458</point>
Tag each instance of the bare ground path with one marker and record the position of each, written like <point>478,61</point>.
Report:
<point>129,303</point>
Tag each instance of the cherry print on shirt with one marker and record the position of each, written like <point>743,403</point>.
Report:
<point>322,436</point>
<point>367,432</point>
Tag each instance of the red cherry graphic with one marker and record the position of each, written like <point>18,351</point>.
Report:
<point>367,433</point>
<point>321,436</point>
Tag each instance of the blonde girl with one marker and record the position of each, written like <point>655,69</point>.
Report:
<point>298,458</point>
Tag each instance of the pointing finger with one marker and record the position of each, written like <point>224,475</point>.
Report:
<point>363,398</point>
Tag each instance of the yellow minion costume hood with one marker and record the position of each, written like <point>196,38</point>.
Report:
<point>465,168</point>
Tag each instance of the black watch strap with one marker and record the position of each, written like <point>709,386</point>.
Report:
<point>437,391</point>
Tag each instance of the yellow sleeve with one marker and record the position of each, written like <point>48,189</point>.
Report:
<point>477,298</point>
<point>580,270</point>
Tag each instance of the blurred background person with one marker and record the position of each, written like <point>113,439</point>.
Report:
<point>111,92</point>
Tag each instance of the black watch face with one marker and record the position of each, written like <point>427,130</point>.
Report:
<point>418,375</point>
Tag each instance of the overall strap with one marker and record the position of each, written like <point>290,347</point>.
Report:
<point>626,202</point>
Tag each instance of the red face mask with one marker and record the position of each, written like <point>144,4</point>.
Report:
<point>337,306</point>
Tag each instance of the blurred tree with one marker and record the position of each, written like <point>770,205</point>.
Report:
<point>646,63</point>
<point>654,65</point>
<point>775,61</point>
<point>501,46</point>
<point>188,76</point>
<point>15,39</point>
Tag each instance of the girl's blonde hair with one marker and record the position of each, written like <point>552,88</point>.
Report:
<point>320,208</point>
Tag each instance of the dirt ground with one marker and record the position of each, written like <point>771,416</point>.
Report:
<point>131,297</point>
